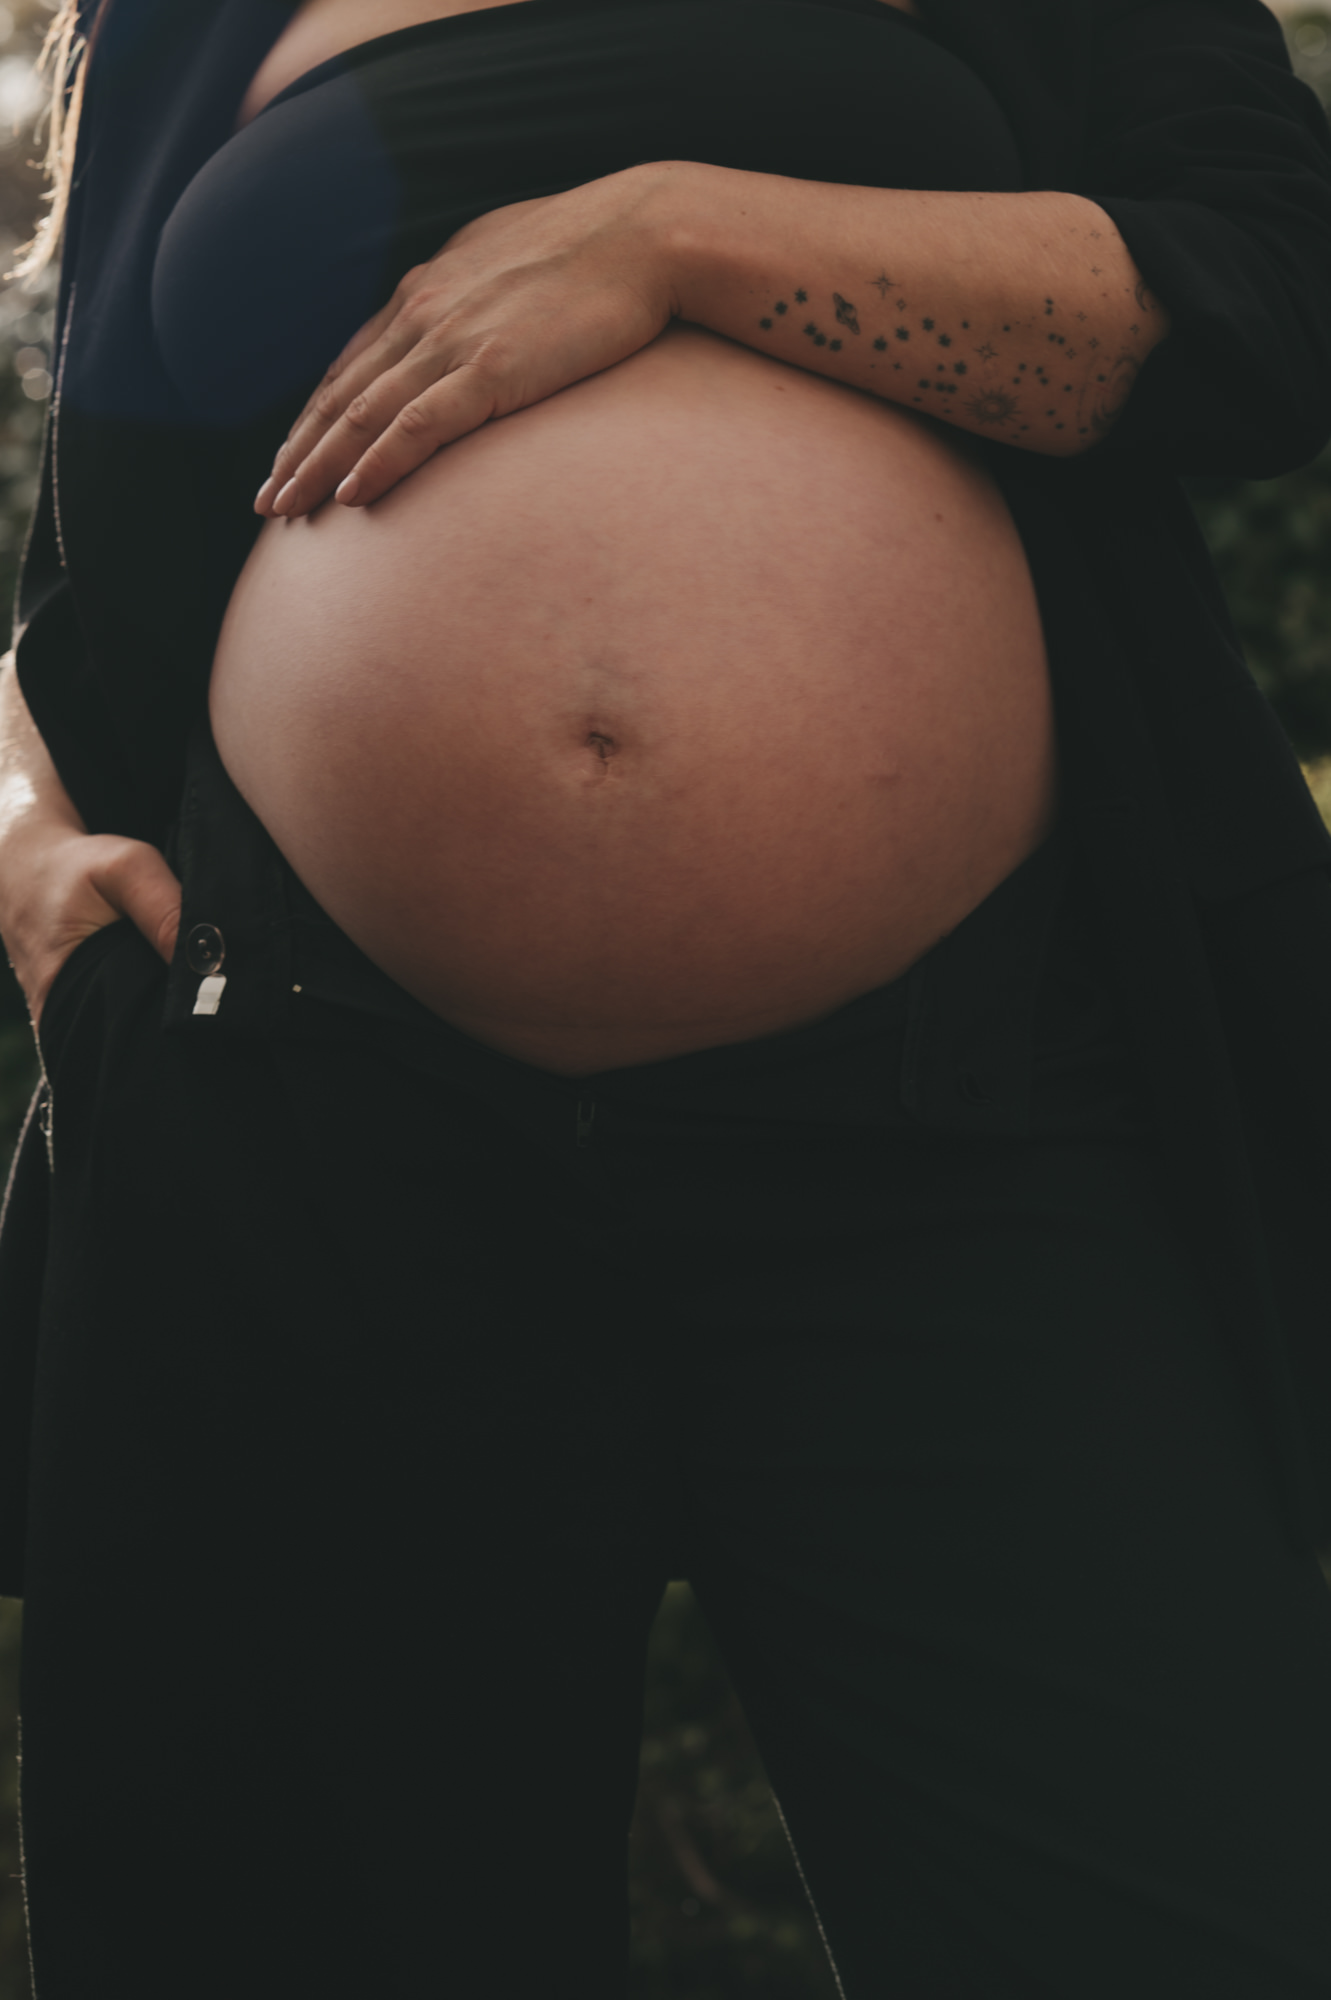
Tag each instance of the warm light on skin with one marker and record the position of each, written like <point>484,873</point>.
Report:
<point>58,884</point>
<point>24,764</point>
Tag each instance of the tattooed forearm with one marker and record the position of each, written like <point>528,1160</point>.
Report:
<point>1113,385</point>
<point>1016,317</point>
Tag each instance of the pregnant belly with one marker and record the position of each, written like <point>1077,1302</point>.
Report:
<point>675,710</point>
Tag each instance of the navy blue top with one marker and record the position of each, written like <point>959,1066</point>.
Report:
<point>297,229</point>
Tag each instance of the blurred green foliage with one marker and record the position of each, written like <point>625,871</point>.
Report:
<point>718,1910</point>
<point>1271,540</point>
<point>719,1913</point>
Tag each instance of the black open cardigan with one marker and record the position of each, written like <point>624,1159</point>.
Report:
<point>1183,120</point>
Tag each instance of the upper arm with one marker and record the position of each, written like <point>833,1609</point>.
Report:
<point>1214,162</point>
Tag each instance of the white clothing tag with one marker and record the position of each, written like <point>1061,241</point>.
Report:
<point>209,997</point>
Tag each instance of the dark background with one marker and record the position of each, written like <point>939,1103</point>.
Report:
<point>718,1910</point>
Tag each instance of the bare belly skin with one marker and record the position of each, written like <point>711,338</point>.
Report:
<point>675,710</point>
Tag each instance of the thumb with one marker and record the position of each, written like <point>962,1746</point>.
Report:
<point>138,883</point>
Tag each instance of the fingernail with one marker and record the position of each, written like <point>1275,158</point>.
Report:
<point>265,494</point>
<point>286,499</point>
<point>348,490</point>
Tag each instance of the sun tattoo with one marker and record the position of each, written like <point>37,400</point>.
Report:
<point>993,406</point>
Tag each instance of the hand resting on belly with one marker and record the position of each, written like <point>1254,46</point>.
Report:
<point>673,710</point>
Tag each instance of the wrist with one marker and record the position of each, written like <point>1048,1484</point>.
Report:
<point>681,205</point>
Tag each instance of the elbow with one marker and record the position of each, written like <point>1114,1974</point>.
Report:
<point>1207,413</point>
<point>1301,436</point>
<point>1265,439</point>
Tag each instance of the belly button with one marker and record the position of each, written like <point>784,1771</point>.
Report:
<point>604,746</point>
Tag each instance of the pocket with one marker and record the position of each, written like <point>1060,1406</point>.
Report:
<point>63,998</point>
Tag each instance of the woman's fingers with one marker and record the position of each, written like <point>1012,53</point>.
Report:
<point>519,304</point>
<point>390,429</point>
<point>462,402</point>
<point>78,883</point>
<point>349,378</point>
<point>136,882</point>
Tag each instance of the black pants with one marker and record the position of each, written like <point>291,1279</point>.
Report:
<point>378,1399</point>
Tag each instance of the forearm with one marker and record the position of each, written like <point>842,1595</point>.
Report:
<point>30,788</point>
<point>1019,317</point>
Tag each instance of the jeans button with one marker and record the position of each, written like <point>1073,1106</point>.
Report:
<point>204,948</point>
